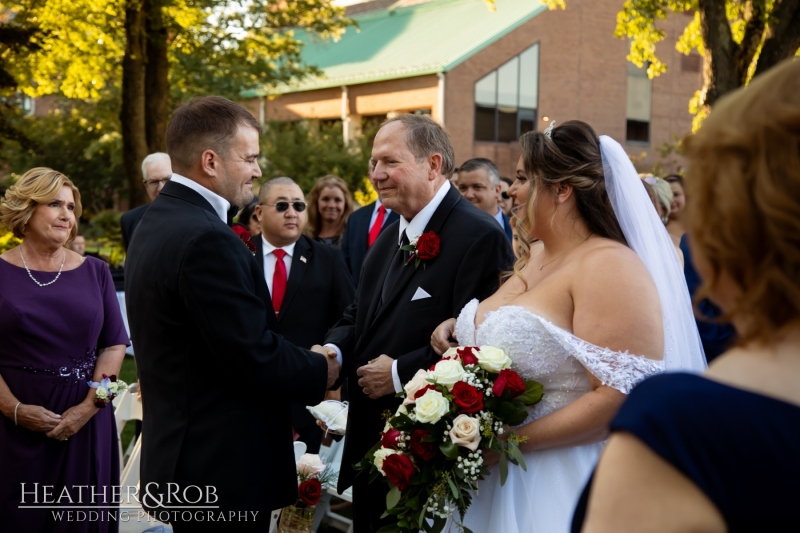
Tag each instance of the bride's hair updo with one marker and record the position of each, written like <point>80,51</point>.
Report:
<point>571,157</point>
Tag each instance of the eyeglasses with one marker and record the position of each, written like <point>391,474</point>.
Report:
<point>283,205</point>
<point>153,184</point>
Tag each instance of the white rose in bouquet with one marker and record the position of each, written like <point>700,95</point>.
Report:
<point>431,407</point>
<point>492,359</point>
<point>419,380</point>
<point>380,456</point>
<point>310,465</point>
<point>448,373</point>
<point>466,432</point>
<point>401,410</point>
<point>101,393</point>
<point>452,353</point>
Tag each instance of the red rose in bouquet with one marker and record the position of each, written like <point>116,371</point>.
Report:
<point>399,469</point>
<point>389,438</point>
<point>422,450</point>
<point>310,491</point>
<point>423,390</point>
<point>467,356</point>
<point>467,398</point>
<point>243,233</point>
<point>508,380</point>
<point>427,246</point>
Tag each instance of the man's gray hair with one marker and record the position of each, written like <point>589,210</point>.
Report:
<point>267,185</point>
<point>425,137</point>
<point>486,164</point>
<point>149,159</point>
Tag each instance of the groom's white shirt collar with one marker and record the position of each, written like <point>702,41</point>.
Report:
<point>220,204</point>
<point>416,226</point>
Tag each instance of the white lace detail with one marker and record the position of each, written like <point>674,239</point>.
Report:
<point>552,356</point>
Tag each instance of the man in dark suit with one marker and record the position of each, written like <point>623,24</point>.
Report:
<point>310,287</point>
<point>156,171</point>
<point>384,337</point>
<point>217,382</point>
<point>363,228</point>
<point>479,182</point>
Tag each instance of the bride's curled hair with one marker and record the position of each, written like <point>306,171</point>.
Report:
<point>571,156</point>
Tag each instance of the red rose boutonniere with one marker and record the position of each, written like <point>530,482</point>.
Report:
<point>423,248</point>
<point>243,233</point>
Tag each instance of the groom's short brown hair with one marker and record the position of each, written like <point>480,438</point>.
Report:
<point>204,123</point>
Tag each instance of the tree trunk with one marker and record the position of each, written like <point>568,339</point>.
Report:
<point>720,68</point>
<point>783,35</point>
<point>156,77</point>
<point>134,139</point>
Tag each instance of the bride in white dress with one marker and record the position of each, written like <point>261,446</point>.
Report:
<point>593,309</point>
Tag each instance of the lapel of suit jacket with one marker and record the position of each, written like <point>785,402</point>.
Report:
<point>302,249</point>
<point>435,224</point>
<point>385,246</point>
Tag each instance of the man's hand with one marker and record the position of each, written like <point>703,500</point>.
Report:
<point>376,377</point>
<point>440,338</point>
<point>333,365</point>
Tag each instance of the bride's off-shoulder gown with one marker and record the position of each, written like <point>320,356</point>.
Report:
<point>542,498</point>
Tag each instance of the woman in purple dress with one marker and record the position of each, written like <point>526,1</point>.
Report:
<point>60,327</point>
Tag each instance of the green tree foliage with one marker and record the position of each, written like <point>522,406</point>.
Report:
<point>737,39</point>
<point>308,150</point>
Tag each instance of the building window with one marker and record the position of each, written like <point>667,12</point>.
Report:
<point>506,99</point>
<point>691,63</point>
<point>640,90</point>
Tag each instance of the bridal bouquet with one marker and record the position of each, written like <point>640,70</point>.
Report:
<point>430,449</point>
<point>312,477</point>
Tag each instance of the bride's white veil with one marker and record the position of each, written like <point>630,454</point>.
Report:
<point>647,236</point>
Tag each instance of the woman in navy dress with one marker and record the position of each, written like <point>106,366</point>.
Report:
<point>721,452</point>
<point>60,327</point>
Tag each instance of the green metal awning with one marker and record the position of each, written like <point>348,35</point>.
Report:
<point>407,41</point>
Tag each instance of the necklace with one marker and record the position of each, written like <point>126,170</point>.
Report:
<point>567,250</point>
<point>39,283</point>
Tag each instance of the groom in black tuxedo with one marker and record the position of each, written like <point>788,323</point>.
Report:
<point>384,336</point>
<point>217,383</point>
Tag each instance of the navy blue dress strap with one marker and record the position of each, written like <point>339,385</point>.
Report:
<point>742,449</point>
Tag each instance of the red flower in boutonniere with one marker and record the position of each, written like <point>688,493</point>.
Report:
<point>424,248</point>
<point>243,233</point>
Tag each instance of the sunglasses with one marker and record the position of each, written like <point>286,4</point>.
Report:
<point>283,205</point>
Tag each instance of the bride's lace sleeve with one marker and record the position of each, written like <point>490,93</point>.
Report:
<point>619,370</point>
<point>465,324</point>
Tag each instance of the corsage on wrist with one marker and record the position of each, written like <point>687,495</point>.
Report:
<point>107,389</point>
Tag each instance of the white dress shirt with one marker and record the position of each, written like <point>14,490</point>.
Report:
<point>499,217</point>
<point>220,204</point>
<point>270,259</point>
<point>413,228</point>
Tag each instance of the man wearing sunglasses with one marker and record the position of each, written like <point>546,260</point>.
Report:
<point>308,281</point>
<point>156,171</point>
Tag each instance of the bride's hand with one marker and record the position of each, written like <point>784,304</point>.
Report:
<point>490,458</point>
<point>440,339</point>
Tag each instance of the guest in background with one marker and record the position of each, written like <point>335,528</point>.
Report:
<point>660,195</point>
<point>363,227</point>
<point>515,237</point>
<point>504,200</point>
<point>78,245</point>
<point>721,452</point>
<point>479,182</point>
<point>329,206</point>
<point>249,219</point>
<point>156,171</point>
<point>676,209</point>
<point>61,328</point>
<point>308,282</point>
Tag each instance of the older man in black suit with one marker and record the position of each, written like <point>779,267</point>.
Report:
<point>384,337</point>
<point>217,381</point>
<point>156,171</point>
<point>308,281</point>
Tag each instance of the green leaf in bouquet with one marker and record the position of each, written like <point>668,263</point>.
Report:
<point>404,524</point>
<point>449,449</point>
<point>426,475</point>
<point>393,498</point>
<point>509,413</point>
<point>403,423</point>
<point>516,454</point>
<point>533,393</point>
<point>413,503</point>
<point>503,469</point>
<point>454,489</point>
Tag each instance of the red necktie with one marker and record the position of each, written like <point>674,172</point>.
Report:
<point>375,230</point>
<point>278,280</point>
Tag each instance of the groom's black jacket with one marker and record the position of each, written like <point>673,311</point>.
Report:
<point>217,383</point>
<point>473,252</point>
